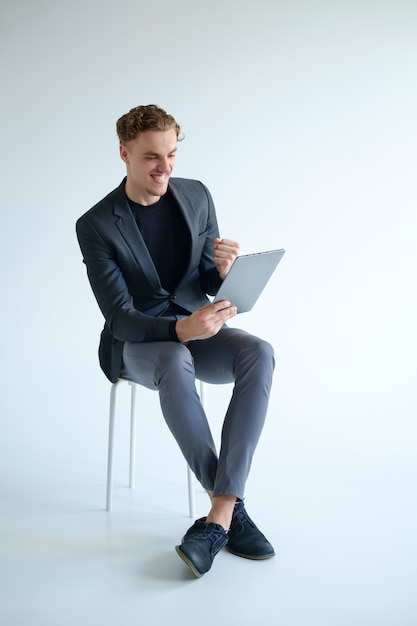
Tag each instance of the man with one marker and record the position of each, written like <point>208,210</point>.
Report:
<point>153,253</point>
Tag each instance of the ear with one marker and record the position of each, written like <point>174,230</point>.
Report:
<point>123,152</point>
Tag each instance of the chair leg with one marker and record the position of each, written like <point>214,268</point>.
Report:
<point>110,447</point>
<point>202,393</point>
<point>191,495</point>
<point>132,467</point>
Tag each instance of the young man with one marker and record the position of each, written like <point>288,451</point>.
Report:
<point>153,253</point>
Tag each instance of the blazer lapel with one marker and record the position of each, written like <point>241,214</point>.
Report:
<point>186,209</point>
<point>126,224</point>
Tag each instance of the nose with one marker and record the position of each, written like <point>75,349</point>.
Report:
<point>163,165</point>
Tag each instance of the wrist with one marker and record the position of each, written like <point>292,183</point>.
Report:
<point>179,330</point>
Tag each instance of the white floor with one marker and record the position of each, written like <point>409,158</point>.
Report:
<point>343,528</point>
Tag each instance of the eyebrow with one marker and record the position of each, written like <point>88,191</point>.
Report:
<point>150,153</point>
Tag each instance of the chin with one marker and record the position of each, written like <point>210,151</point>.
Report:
<point>161,191</point>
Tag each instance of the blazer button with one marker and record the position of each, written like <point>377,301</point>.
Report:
<point>173,297</point>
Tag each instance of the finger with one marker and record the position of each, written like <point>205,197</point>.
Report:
<point>221,305</point>
<point>229,242</point>
<point>228,313</point>
<point>224,244</point>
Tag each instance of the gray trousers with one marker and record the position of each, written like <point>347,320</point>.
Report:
<point>232,355</point>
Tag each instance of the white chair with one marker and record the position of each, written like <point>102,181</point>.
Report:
<point>112,414</point>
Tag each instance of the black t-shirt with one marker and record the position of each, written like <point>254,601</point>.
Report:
<point>166,236</point>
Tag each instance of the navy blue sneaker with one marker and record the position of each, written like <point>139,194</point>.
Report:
<point>200,545</point>
<point>245,539</point>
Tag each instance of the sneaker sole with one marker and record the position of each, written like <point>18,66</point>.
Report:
<point>187,561</point>
<point>247,556</point>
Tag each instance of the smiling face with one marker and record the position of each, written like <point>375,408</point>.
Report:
<point>149,159</point>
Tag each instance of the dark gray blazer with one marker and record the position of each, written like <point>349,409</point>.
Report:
<point>124,279</point>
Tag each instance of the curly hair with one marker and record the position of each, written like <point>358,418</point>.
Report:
<point>143,118</point>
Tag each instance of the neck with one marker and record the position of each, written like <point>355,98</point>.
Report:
<point>140,196</point>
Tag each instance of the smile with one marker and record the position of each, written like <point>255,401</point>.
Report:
<point>159,178</point>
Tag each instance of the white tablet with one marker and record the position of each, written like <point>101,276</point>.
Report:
<point>247,278</point>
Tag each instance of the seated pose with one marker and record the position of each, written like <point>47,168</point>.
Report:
<point>153,252</point>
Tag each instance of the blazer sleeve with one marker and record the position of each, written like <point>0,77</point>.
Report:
<point>124,321</point>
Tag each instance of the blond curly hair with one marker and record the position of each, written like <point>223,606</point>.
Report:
<point>143,118</point>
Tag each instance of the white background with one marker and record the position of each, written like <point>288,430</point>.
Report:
<point>301,119</point>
